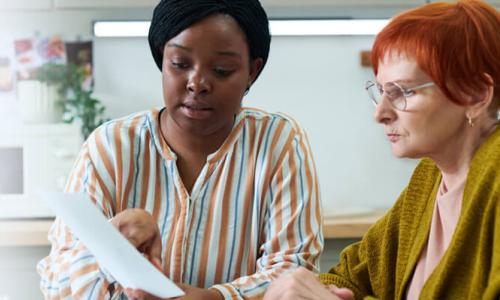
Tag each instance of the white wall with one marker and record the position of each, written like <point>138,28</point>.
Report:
<point>317,80</point>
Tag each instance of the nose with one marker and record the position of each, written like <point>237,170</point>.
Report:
<point>197,83</point>
<point>384,112</point>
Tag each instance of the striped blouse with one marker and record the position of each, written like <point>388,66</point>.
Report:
<point>253,212</point>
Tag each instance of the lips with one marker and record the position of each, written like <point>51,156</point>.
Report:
<point>196,110</point>
<point>393,137</point>
<point>196,106</point>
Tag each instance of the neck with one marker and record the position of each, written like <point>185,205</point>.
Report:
<point>189,144</point>
<point>454,165</point>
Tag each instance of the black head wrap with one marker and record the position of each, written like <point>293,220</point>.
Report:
<point>171,17</point>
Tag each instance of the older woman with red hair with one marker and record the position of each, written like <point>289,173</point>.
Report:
<point>437,95</point>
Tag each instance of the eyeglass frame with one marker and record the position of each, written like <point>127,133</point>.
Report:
<point>406,92</point>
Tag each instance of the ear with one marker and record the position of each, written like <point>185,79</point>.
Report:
<point>255,67</point>
<point>481,101</point>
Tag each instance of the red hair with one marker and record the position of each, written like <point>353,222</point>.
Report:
<point>455,44</point>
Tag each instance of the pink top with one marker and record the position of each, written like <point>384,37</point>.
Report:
<point>443,224</point>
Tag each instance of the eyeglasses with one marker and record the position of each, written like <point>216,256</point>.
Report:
<point>395,93</point>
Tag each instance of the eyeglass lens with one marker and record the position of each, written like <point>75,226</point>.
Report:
<point>393,93</point>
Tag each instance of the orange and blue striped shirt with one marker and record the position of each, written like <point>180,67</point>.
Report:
<point>254,211</point>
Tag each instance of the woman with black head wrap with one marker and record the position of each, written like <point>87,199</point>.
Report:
<point>221,198</point>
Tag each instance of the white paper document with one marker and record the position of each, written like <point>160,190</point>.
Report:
<point>112,250</point>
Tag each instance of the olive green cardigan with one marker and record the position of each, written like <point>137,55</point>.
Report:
<point>381,265</point>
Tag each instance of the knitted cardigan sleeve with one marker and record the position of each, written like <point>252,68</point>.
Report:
<point>492,290</point>
<point>368,267</point>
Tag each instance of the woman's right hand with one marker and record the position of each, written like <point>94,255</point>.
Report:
<point>141,230</point>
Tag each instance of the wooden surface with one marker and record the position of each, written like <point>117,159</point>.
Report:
<point>28,233</point>
<point>21,233</point>
<point>350,226</point>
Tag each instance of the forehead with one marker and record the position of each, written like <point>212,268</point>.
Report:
<point>217,30</point>
<point>399,67</point>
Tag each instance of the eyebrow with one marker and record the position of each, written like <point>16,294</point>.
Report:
<point>220,53</point>
<point>406,81</point>
<point>175,45</point>
<point>400,81</point>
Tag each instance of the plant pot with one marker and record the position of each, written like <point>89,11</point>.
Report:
<point>39,101</point>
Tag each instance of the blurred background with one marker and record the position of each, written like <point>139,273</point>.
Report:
<point>52,65</point>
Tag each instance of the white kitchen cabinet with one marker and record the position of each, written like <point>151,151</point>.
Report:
<point>34,158</point>
<point>333,3</point>
<point>75,4</point>
<point>18,277</point>
<point>8,5</point>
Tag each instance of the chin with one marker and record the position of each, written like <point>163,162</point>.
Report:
<point>398,155</point>
<point>404,153</point>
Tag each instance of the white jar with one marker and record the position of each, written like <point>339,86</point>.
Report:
<point>39,102</point>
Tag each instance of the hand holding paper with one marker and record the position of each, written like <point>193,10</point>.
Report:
<point>141,230</point>
<point>112,251</point>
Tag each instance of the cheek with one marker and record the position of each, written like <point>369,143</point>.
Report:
<point>425,134</point>
<point>173,84</point>
<point>421,130</point>
<point>230,91</point>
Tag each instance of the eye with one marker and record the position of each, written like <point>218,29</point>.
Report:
<point>408,93</point>
<point>179,65</point>
<point>380,89</point>
<point>222,71</point>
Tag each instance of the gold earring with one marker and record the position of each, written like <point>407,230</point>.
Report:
<point>471,123</point>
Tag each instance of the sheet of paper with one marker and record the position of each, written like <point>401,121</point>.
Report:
<point>112,250</point>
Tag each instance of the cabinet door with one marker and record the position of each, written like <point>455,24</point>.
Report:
<point>25,5</point>
<point>104,3</point>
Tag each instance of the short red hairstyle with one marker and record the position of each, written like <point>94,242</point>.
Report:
<point>455,44</point>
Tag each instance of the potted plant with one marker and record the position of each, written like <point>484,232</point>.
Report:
<point>41,97</point>
<point>77,101</point>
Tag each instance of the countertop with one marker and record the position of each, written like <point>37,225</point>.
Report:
<point>31,233</point>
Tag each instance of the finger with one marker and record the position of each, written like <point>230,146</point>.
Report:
<point>343,293</point>
<point>141,295</point>
<point>157,263</point>
<point>155,249</point>
<point>128,293</point>
<point>132,294</point>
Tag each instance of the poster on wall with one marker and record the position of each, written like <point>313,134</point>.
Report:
<point>80,54</point>
<point>6,75</point>
<point>26,58</point>
<point>7,71</point>
<point>51,49</point>
<point>7,80</point>
<point>31,53</point>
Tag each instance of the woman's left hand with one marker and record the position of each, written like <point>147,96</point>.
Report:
<point>192,293</point>
<point>303,284</point>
